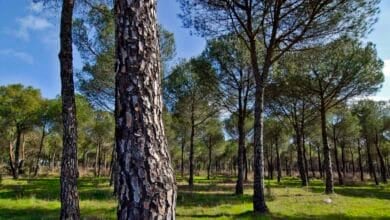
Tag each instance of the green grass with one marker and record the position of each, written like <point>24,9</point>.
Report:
<point>209,199</point>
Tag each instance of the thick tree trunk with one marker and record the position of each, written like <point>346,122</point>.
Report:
<point>69,171</point>
<point>380,157</point>
<point>40,151</point>
<point>327,158</point>
<point>97,159</point>
<point>304,154</point>
<point>370,162</point>
<point>16,151</point>
<point>147,188</point>
<point>340,177</point>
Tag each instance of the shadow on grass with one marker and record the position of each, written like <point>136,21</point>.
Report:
<point>49,189</point>
<point>358,191</point>
<point>249,215</point>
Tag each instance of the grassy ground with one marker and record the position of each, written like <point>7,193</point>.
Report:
<point>210,199</point>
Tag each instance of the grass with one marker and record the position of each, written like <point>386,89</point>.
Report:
<point>209,199</point>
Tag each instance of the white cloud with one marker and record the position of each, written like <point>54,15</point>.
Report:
<point>25,57</point>
<point>36,7</point>
<point>386,68</point>
<point>30,23</point>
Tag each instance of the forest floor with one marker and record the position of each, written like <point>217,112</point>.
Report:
<point>210,199</point>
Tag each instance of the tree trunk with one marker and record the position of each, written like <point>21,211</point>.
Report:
<point>311,161</point>
<point>278,163</point>
<point>40,151</point>
<point>147,188</point>
<point>370,162</point>
<point>12,160</point>
<point>69,172</point>
<point>380,157</point>
<point>183,142</point>
<point>352,162</point>
<point>209,164</point>
<point>300,158</point>
<point>240,154</point>
<point>343,161</point>
<point>319,162</point>
<point>360,163</point>
<point>97,160</point>
<point>191,157</point>
<point>246,165</point>
<point>16,161</point>
<point>341,182</point>
<point>327,158</point>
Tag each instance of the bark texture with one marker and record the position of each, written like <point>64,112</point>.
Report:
<point>147,187</point>
<point>69,171</point>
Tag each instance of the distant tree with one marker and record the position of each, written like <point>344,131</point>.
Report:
<point>192,89</point>
<point>147,188</point>
<point>371,115</point>
<point>236,84</point>
<point>270,29</point>
<point>343,69</point>
<point>19,112</point>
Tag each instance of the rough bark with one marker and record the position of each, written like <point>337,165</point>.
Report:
<point>183,144</point>
<point>147,188</point>
<point>327,157</point>
<point>259,205</point>
<point>69,171</point>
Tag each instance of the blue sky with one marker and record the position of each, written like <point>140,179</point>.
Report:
<point>29,43</point>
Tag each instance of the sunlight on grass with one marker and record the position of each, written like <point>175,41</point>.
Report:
<point>209,199</point>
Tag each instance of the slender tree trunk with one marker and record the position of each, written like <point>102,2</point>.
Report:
<point>327,158</point>
<point>381,160</point>
<point>341,182</point>
<point>304,154</point>
<point>12,160</point>
<point>183,142</point>
<point>246,165</point>
<point>16,161</point>
<point>259,205</point>
<point>191,157</point>
<point>210,155</point>
<point>352,162</point>
<point>147,188</point>
<point>300,158</point>
<point>69,171</point>
<point>40,151</point>
<point>311,161</point>
<point>278,163</point>
<point>370,162</point>
<point>360,163</point>
<point>319,162</point>
<point>240,154</point>
<point>343,160</point>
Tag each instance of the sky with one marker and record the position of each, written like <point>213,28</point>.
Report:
<point>29,44</point>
